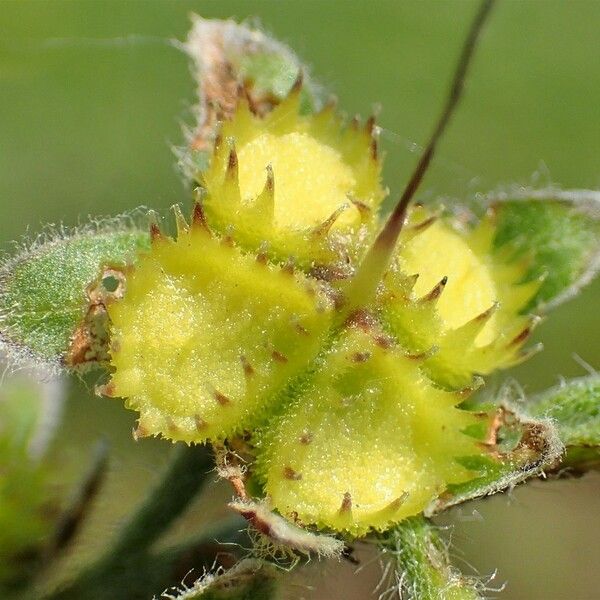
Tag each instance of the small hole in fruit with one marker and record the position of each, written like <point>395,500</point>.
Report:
<point>110,283</point>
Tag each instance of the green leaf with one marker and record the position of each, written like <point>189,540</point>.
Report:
<point>558,231</point>
<point>44,289</point>
<point>422,569</point>
<point>574,406</point>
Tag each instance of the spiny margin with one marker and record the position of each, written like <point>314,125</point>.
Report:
<point>206,335</point>
<point>44,285</point>
<point>366,439</point>
<point>301,185</point>
<point>446,297</point>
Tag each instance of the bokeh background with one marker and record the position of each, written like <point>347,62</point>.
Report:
<point>92,98</point>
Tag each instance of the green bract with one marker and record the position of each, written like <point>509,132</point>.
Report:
<point>44,290</point>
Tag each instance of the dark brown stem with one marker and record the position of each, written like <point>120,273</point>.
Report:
<point>377,258</point>
<point>393,226</point>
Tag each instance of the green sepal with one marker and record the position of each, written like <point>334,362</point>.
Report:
<point>421,563</point>
<point>231,60</point>
<point>518,447</point>
<point>272,71</point>
<point>574,406</point>
<point>43,289</point>
<point>558,232</point>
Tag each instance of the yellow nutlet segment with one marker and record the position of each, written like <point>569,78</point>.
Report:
<point>305,184</point>
<point>449,295</point>
<point>368,442</point>
<point>206,334</point>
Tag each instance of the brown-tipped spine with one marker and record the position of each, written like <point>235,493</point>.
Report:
<point>279,357</point>
<point>200,423</point>
<point>155,233</point>
<point>346,506</point>
<point>297,85</point>
<point>524,334</point>
<point>198,216</point>
<point>370,126</point>
<point>221,398</point>
<point>289,266</point>
<point>248,368</point>
<point>180,222</point>
<point>374,149</point>
<point>323,229</point>
<point>436,292</point>
<point>232,165</point>
<point>291,474</point>
<point>139,432</point>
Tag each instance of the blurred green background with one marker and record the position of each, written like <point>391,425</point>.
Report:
<point>92,98</point>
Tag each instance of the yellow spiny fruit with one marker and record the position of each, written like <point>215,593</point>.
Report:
<point>366,442</point>
<point>293,185</point>
<point>352,416</point>
<point>206,335</point>
<point>450,296</point>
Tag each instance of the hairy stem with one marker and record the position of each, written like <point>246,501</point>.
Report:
<point>419,564</point>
